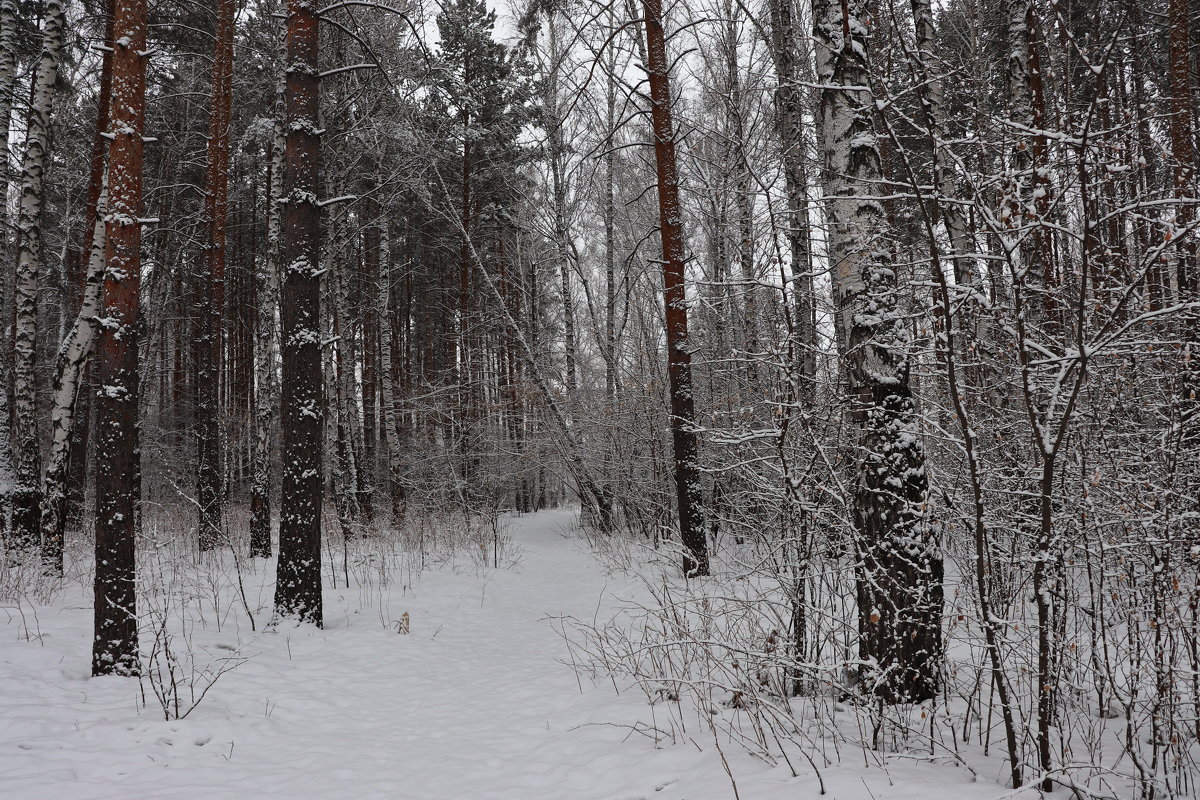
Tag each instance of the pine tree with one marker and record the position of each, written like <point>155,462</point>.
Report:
<point>298,586</point>
<point>118,471</point>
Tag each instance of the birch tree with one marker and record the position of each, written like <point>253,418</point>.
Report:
<point>26,444</point>
<point>900,567</point>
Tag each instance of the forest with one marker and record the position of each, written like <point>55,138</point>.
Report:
<point>807,387</point>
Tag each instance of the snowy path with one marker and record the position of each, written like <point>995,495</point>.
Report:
<point>472,704</point>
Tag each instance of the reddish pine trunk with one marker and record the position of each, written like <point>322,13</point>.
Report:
<point>298,586</point>
<point>118,476</point>
<point>679,360</point>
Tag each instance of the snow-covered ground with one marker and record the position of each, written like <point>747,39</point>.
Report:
<point>474,703</point>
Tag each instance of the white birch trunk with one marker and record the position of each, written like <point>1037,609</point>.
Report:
<point>900,568</point>
<point>26,447</point>
<point>72,358</point>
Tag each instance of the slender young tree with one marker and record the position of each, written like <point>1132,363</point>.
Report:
<point>387,374</point>
<point>298,586</point>
<point>267,339</point>
<point>211,308</point>
<point>118,473</point>
<point>679,358</point>
<point>789,121</point>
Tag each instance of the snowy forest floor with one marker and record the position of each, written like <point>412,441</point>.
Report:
<point>474,702</point>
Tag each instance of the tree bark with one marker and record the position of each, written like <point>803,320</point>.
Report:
<point>789,121</point>
<point>72,358</point>
<point>900,568</point>
<point>395,457</point>
<point>679,360</point>
<point>118,474</point>
<point>8,80</point>
<point>211,316</point>
<point>27,448</point>
<point>298,586</point>
<point>267,342</point>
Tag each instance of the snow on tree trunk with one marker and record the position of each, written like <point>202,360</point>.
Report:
<point>26,497</point>
<point>298,585</point>
<point>900,566</point>
<point>267,342</point>
<point>679,359</point>
<point>72,358</point>
<point>8,80</point>
<point>395,457</point>
<point>118,473</point>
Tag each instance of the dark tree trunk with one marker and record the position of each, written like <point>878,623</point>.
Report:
<point>210,317</point>
<point>118,473</point>
<point>679,360</point>
<point>298,586</point>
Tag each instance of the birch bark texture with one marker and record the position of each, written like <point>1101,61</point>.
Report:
<point>27,453</point>
<point>118,476</point>
<point>72,358</point>
<point>899,570</point>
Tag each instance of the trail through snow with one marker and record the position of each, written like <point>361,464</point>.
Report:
<point>473,703</point>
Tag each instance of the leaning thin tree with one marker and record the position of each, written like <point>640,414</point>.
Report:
<point>298,585</point>
<point>118,478</point>
<point>679,360</point>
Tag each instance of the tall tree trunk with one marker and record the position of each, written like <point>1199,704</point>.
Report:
<point>789,121</point>
<point>298,586</point>
<point>933,100</point>
<point>743,200</point>
<point>267,342</point>
<point>9,15</point>
<point>76,471</point>
<point>8,81</point>
<point>118,473</point>
<point>900,568</point>
<point>27,449</point>
<point>209,490</point>
<point>370,371</point>
<point>609,212</point>
<point>1183,149</point>
<point>679,360</point>
<point>558,166</point>
<point>395,458</point>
